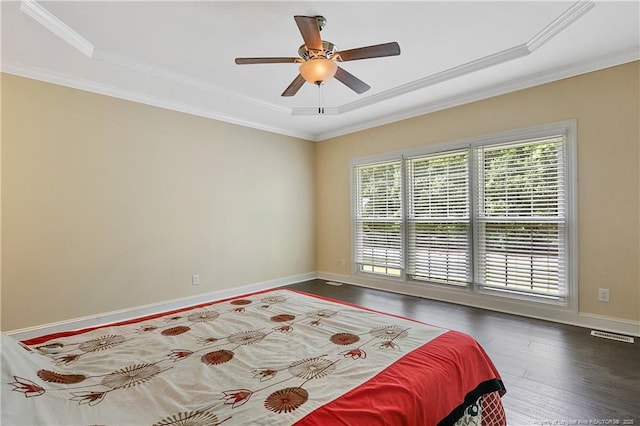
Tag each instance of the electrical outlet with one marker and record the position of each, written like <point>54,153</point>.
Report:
<point>603,295</point>
<point>195,279</point>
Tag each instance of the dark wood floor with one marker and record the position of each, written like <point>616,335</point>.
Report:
<point>555,374</point>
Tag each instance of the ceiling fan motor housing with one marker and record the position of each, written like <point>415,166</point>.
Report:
<point>322,21</point>
<point>328,50</point>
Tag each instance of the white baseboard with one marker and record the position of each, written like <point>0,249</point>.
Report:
<point>509,306</point>
<point>564,316</point>
<point>153,308</point>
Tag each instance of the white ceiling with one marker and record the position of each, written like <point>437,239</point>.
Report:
<point>180,55</point>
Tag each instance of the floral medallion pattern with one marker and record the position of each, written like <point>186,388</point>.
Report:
<point>286,400</point>
<point>131,376</point>
<point>101,343</point>
<point>191,418</point>
<point>247,337</point>
<point>204,316</point>
<point>313,368</point>
<point>283,318</point>
<point>217,357</point>
<point>344,339</point>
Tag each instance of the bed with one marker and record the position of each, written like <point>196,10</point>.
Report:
<point>279,357</point>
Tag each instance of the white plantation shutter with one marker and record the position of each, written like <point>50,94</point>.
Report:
<point>378,218</point>
<point>521,221</point>
<point>495,214</point>
<point>438,221</point>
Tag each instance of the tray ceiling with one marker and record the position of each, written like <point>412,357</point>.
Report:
<point>180,55</point>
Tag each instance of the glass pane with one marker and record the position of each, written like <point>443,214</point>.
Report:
<point>521,217</point>
<point>521,181</point>
<point>439,252</point>
<point>438,217</point>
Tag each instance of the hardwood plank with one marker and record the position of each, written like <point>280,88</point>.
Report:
<point>554,373</point>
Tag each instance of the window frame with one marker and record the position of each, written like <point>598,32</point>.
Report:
<point>567,128</point>
<point>355,220</point>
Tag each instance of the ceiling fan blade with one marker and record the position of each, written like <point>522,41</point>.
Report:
<point>376,51</point>
<point>308,26</point>
<point>274,60</point>
<point>295,85</point>
<point>351,81</point>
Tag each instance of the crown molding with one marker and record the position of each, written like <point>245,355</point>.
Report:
<point>116,92</point>
<point>568,17</point>
<point>606,61</point>
<point>560,73</point>
<point>559,24</point>
<point>62,30</point>
<point>439,77</point>
<point>446,75</point>
<point>56,26</point>
<point>179,78</point>
<point>41,15</point>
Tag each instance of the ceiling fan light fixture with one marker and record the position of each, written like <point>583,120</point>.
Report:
<point>318,58</point>
<point>318,70</point>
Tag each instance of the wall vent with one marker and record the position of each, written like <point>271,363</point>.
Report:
<point>612,336</point>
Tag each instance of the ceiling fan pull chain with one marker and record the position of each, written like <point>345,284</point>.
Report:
<point>320,98</point>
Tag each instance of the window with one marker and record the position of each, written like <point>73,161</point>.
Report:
<point>438,220</point>
<point>378,214</point>
<point>520,220</point>
<point>491,214</point>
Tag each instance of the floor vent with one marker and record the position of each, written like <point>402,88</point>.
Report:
<point>612,336</point>
<point>333,283</point>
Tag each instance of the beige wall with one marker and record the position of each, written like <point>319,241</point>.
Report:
<point>606,107</point>
<point>109,204</point>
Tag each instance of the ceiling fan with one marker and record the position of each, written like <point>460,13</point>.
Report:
<point>318,58</point>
